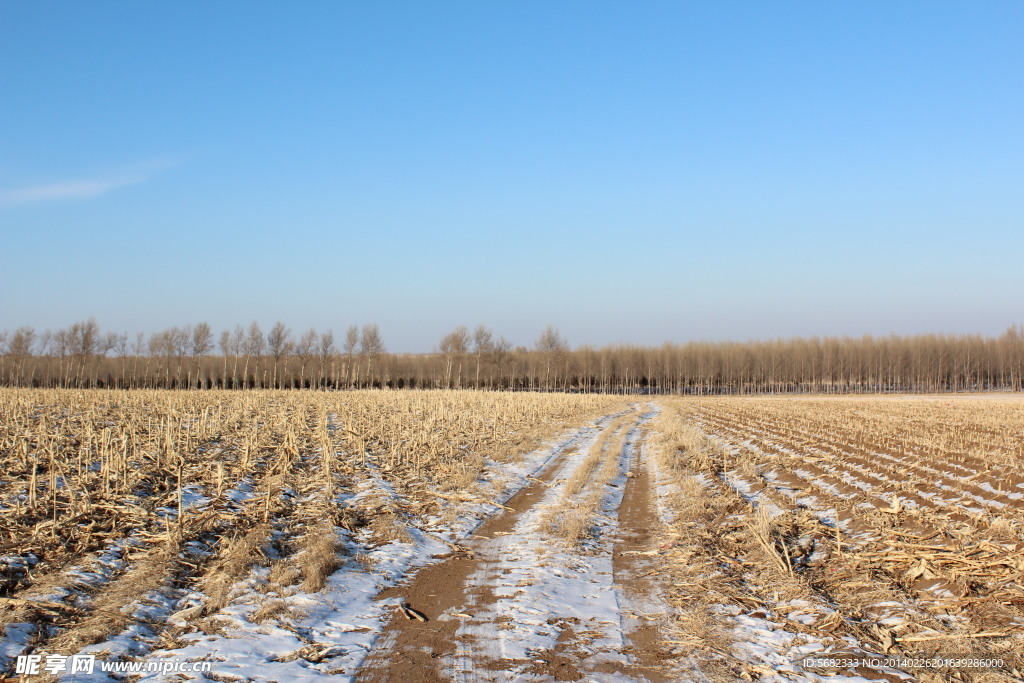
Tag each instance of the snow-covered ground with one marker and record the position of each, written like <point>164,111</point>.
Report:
<point>541,595</point>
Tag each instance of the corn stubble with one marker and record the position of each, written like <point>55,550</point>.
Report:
<point>196,490</point>
<point>927,559</point>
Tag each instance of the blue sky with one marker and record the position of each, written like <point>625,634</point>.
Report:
<point>630,172</point>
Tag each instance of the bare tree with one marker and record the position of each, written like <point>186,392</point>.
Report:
<point>551,347</point>
<point>43,345</point>
<point>62,345</point>
<point>138,348</point>
<point>304,350</point>
<point>279,343</point>
<point>84,340</point>
<point>20,349</point>
<point>104,345</point>
<point>202,343</point>
<point>370,346</point>
<point>118,344</point>
<point>225,348</point>
<point>237,348</point>
<point>501,353</point>
<point>350,348</point>
<point>325,352</point>
<point>180,340</point>
<point>3,351</point>
<point>254,347</point>
<point>483,343</point>
<point>160,348</point>
<point>454,346</point>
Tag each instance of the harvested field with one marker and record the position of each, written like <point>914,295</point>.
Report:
<point>145,522</point>
<point>452,535</point>
<point>883,526</point>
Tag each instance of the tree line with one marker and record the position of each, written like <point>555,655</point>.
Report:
<point>245,357</point>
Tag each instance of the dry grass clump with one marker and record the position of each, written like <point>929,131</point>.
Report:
<point>571,523</point>
<point>387,526</point>
<point>1005,529</point>
<point>365,560</point>
<point>275,610</point>
<point>583,473</point>
<point>239,554</point>
<point>283,573</point>
<point>213,626</point>
<point>696,625</point>
<point>767,533</point>
<point>319,558</point>
<point>683,448</point>
<point>464,474</point>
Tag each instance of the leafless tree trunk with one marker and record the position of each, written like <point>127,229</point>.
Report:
<point>3,352</point>
<point>254,346</point>
<point>501,353</point>
<point>120,348</point>
<point>551,347</point>
<point>351,345</point>
<point>304,350</point>
<point>326,351</point>
<point>202,342</point>
<point>454,346</point>
<point>20,349</point>
<point>84,338</point>
<point>483,343</point>
<point>279,344</point>
<point>370,346</point>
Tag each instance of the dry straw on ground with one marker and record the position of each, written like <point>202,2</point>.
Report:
<point>201,489</point>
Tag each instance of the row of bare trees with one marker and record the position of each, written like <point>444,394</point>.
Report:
<point>179,357</point>
<point>184,357</point>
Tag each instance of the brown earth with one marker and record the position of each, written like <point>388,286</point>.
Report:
<point>633,571</point>
<point>408,650</point>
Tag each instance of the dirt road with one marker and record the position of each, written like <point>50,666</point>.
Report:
<point>556,587</point>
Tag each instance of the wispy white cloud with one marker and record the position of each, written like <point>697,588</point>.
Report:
<point>83,188</point>
<point>70,190</point>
